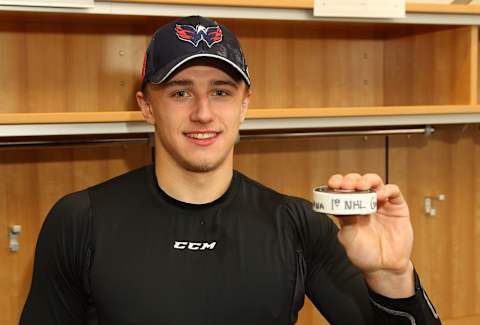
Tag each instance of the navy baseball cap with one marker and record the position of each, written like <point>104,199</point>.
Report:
<point>186,39</point>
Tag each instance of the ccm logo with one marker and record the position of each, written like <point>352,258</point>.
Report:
<point>194,246</point>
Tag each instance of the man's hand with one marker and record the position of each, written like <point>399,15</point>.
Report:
<point>379,244</point>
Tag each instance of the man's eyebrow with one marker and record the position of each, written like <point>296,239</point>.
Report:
<point>180,82</point>
<point>188,82</point>
<point>225,83</point>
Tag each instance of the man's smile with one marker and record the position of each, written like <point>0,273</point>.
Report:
<point>203,138</point>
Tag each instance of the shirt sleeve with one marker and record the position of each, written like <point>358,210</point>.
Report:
<point>414,310</point>
<point>59,289</point>
<point>338,289</point>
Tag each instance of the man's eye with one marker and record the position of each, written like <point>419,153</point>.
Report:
<point>219,92</point>
<point>180,93</point>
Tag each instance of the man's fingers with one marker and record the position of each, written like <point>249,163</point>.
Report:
<point>335,181</point>
<point>347,182</point>
<point>392,193</point>
<point>355,181</point>
<point>350,181</point>
<point>369,181</point>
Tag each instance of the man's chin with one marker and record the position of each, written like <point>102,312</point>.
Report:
<point>202,167</point>
<point>205,162</point>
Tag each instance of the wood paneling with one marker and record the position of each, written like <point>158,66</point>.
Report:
<point>308,4</point>
<point>478,67</point>
<point>309,64</point>
<point>62,66</point>
<point>299,4</point>
<point>32,180</point>
<point>473,320</point>
<point>447,246</point>
<point>429,65</point>
<point>252,113</point>
<point>474,66</point>
<point>296,166</point>
<point>77,64</point>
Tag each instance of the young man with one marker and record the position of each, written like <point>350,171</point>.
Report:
<point>189,240</point>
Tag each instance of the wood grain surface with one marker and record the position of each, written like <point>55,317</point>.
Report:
<point>425,65</point>
<point>447,246</point>
<point>411,6</point>
<point>78,64</point>
<point>32,180</point>
<point>252,113</point>
<point>69,67</point>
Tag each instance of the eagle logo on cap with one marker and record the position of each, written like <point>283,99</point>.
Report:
<point>194,35</point>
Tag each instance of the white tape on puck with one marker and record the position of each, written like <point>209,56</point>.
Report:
<point>344,202</point>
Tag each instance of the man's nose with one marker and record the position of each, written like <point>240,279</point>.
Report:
<point>202,112</point>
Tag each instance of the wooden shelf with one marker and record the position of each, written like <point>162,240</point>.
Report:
<point>292,4</point>
<point>344,72</point>
<point>443,8</point>
<point>48,124</point>
<point>361,111</point>
<point>251,9</point>
<point>264,113</point>
<point>70,117</point>
<point>308,4</point>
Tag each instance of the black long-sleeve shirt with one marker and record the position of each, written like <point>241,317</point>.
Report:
<point>124,252</point>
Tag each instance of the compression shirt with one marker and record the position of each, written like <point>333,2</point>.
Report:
<point>125,253</point>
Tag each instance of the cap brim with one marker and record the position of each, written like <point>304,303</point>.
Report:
<point>161,76</point>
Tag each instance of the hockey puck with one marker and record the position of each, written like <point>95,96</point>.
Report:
<point>344,202</point>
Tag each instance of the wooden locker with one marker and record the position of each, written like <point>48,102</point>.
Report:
<point>33,179</point>
<point>447,244</point>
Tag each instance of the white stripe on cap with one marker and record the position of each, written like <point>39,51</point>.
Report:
<point>244,75</point>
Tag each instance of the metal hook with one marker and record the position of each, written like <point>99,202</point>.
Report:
<point>14,245</point>
<point>428,204</point>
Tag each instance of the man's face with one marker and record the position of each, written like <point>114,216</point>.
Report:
<point>197,114</point>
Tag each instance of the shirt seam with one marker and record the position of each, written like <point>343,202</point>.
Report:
<point>394,312</point>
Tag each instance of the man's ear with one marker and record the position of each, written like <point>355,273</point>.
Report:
<point>245,103</point>
<point>145,106</point>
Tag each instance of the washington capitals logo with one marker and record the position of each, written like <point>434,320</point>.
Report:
<point>195,35</point>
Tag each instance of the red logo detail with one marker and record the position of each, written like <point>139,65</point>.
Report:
<point>144,67</point>
<point>199,33</point>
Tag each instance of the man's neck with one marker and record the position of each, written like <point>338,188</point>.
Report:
<point>193,187</point>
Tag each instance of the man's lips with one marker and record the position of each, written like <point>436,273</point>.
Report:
<point>203,138</point>
<point>201,135</point>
